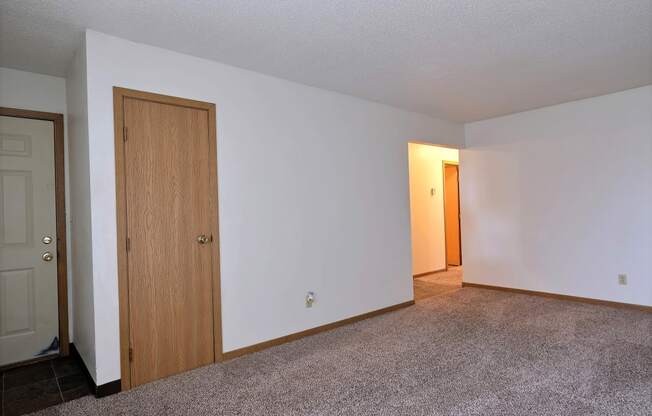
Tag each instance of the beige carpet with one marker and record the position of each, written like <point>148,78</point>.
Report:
<point>438,283</point>
<point>466,352</point>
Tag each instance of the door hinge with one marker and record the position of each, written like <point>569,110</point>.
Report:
<point>124,133</point>
<point>128,244</point>
<point>131,354</point>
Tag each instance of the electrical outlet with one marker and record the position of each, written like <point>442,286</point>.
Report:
<point>310,299</point>
<point>622,279</point>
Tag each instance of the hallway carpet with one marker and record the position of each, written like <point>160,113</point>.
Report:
<point>438,283</point>
<point>467,352</point>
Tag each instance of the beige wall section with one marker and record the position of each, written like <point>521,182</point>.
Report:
<point>426,209</point>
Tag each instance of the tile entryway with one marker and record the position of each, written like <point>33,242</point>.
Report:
<point>37,386</point>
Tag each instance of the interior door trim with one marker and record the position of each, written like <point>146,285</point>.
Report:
<point>60,208</point>
<point>119,95</point>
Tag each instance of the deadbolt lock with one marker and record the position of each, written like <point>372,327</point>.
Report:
<point>46,239</point>
<point>203,239</point>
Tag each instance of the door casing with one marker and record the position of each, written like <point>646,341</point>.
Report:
<point>60,208</point>
<point>119,95</point>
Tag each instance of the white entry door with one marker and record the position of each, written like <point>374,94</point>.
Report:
<point>29,324</point>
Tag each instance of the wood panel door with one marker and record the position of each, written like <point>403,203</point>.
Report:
<point>169,221</point>
<point>452,215</point>
<point>29,324</point>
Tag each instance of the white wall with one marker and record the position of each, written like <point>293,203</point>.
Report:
<point>427,210</point>
<point>30,91</point>
<point>313,193</point>
<point>80,212</point>
<point>560,199</point>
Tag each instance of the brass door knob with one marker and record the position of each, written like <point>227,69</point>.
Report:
<point>203,239</point>
<point>47,256</point>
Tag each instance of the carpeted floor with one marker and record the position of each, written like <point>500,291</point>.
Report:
<point>435,284</point>
<point>466,352</point>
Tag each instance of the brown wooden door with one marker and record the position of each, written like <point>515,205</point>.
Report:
<point>452,215</point>
<point>166,156</point>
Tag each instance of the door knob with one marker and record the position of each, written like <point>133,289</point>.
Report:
<point>47,256</point>
<point>203,239</point>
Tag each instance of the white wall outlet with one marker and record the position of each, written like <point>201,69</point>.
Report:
<point>622,279</point>
<point>310,299</point>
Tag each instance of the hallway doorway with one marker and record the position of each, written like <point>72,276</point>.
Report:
<point>435,219</point>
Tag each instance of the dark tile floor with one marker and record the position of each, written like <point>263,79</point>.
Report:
<point>37,386</point>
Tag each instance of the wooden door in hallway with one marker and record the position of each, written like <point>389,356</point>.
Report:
<point>452,214</point>
<point>170,219</point>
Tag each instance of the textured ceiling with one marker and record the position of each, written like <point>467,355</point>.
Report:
<point>462,60</point>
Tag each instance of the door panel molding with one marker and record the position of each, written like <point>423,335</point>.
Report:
<point>60,208</point>
<point>119,97</point>
<point>10,324</point>
<point>16,231</point>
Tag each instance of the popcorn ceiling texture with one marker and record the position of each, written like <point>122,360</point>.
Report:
<point>462,60</point>
<point>467,352</point>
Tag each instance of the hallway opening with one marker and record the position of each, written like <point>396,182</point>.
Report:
<point>435,219</point>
